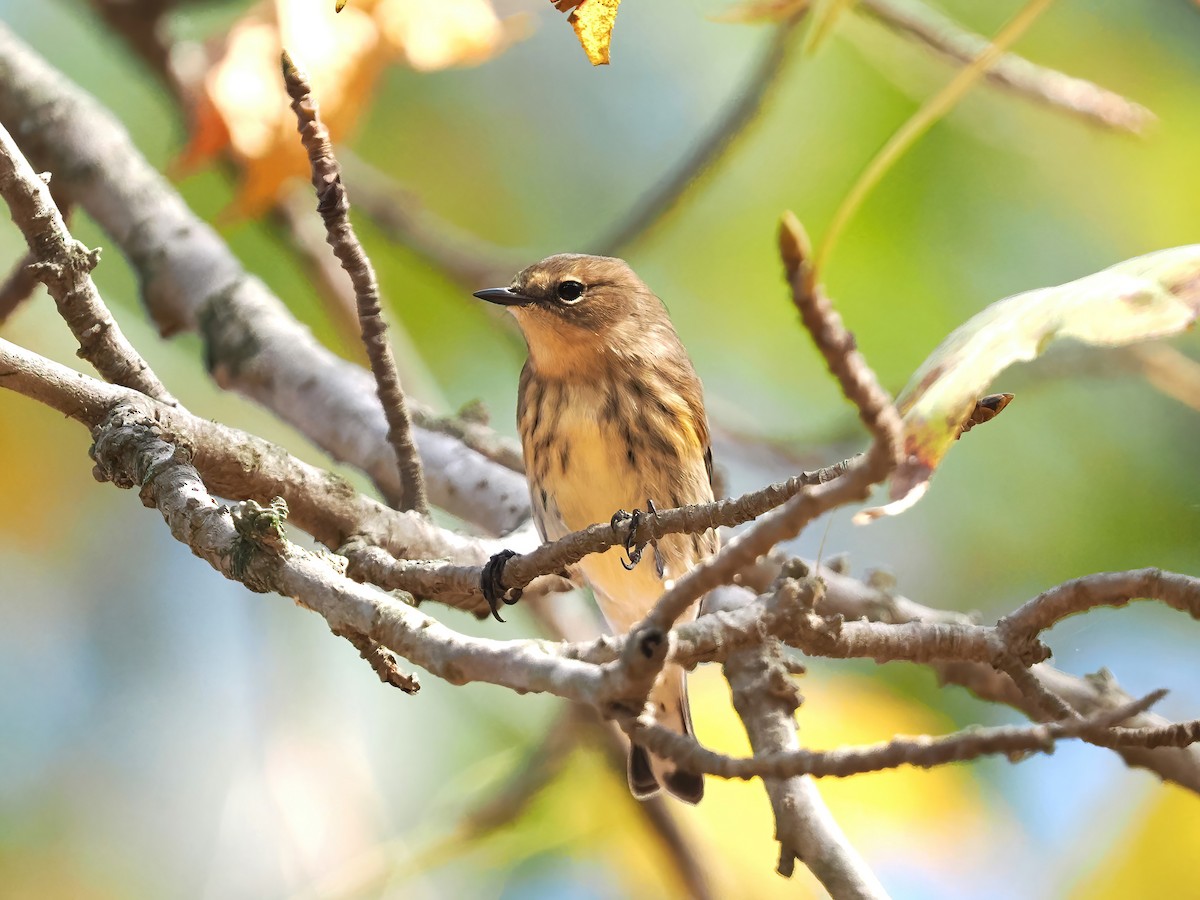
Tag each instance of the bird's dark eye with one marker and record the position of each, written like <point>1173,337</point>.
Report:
<point>570,291</point>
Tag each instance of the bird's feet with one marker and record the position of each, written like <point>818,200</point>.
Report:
<point>634,550</point>
<point>491,583</point>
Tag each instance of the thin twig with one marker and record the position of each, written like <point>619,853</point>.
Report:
<point>191,281</point>
<point>934,30</point>
<point>307,238</point>
<point>1180,592</point>
<point>459,585</point>
<point>474,433</point>
<point>382,662</point>
<point>1077,96</point>
<point>64,265</point>
<point>1178,734</point>
<point>924,752</point>
<point>334,207</point>
<point>1048,704</point>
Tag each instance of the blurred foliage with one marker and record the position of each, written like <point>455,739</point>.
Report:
<point>168,734</point>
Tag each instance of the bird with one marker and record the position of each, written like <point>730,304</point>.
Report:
<point>611,416</point>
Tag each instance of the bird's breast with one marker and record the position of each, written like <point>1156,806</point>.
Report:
<point>592,448</point>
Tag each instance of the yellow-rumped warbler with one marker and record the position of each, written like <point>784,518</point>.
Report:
<point>611,416</point>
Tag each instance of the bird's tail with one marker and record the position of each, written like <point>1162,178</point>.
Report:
<point>647,773</point>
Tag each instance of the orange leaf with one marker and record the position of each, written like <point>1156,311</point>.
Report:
<point>244,110</point>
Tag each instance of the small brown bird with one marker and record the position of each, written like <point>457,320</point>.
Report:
<point>611,416</point>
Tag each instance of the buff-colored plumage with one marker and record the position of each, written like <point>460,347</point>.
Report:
<point>611,415</point>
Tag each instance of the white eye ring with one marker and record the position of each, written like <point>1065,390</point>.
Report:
<point>570,291</point>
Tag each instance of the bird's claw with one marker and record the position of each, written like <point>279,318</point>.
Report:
<point>491,583</point>
<point>634,550</point>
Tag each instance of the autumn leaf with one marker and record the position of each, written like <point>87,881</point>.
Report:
<point>1149,297</point>
<point>243,109</point>
<point>593,22</point>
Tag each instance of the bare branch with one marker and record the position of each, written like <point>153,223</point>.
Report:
<point>1178,734</point>
<point>941,34</point>
<point>766,699</point>
<point>190,280</point>
<point>924,752</point>
<point>1076,96</point>
<point>334,207</point>
<point>459,585</point>
<point>65,266</point>
<point>130,453</point>
<point>240,466</point>
<point>470,427</point>
<point>382,662</point>
<point>855,599</point>
<point>1180,592</point>
<point>306,234</point>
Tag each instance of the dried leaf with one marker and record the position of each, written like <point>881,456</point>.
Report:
<point>593,21</point>
<point>244,110</point>
<point>1149,297</point>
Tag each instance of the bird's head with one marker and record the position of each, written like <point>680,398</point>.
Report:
<point>576,310</point>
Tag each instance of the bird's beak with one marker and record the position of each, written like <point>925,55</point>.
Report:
<point>503,296</point>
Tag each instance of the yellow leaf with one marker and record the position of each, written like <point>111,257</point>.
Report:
<point>593,21</point>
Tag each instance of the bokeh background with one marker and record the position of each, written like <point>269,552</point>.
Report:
<point>165,733</point>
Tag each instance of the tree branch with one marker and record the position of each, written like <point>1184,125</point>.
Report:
<point>1076,96</point>
<point>766,700</point>
<point>924,752</point>
<point>334,207</point>
<point>191,281</point>
<point>240,466</point>
<point>64,265</point>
